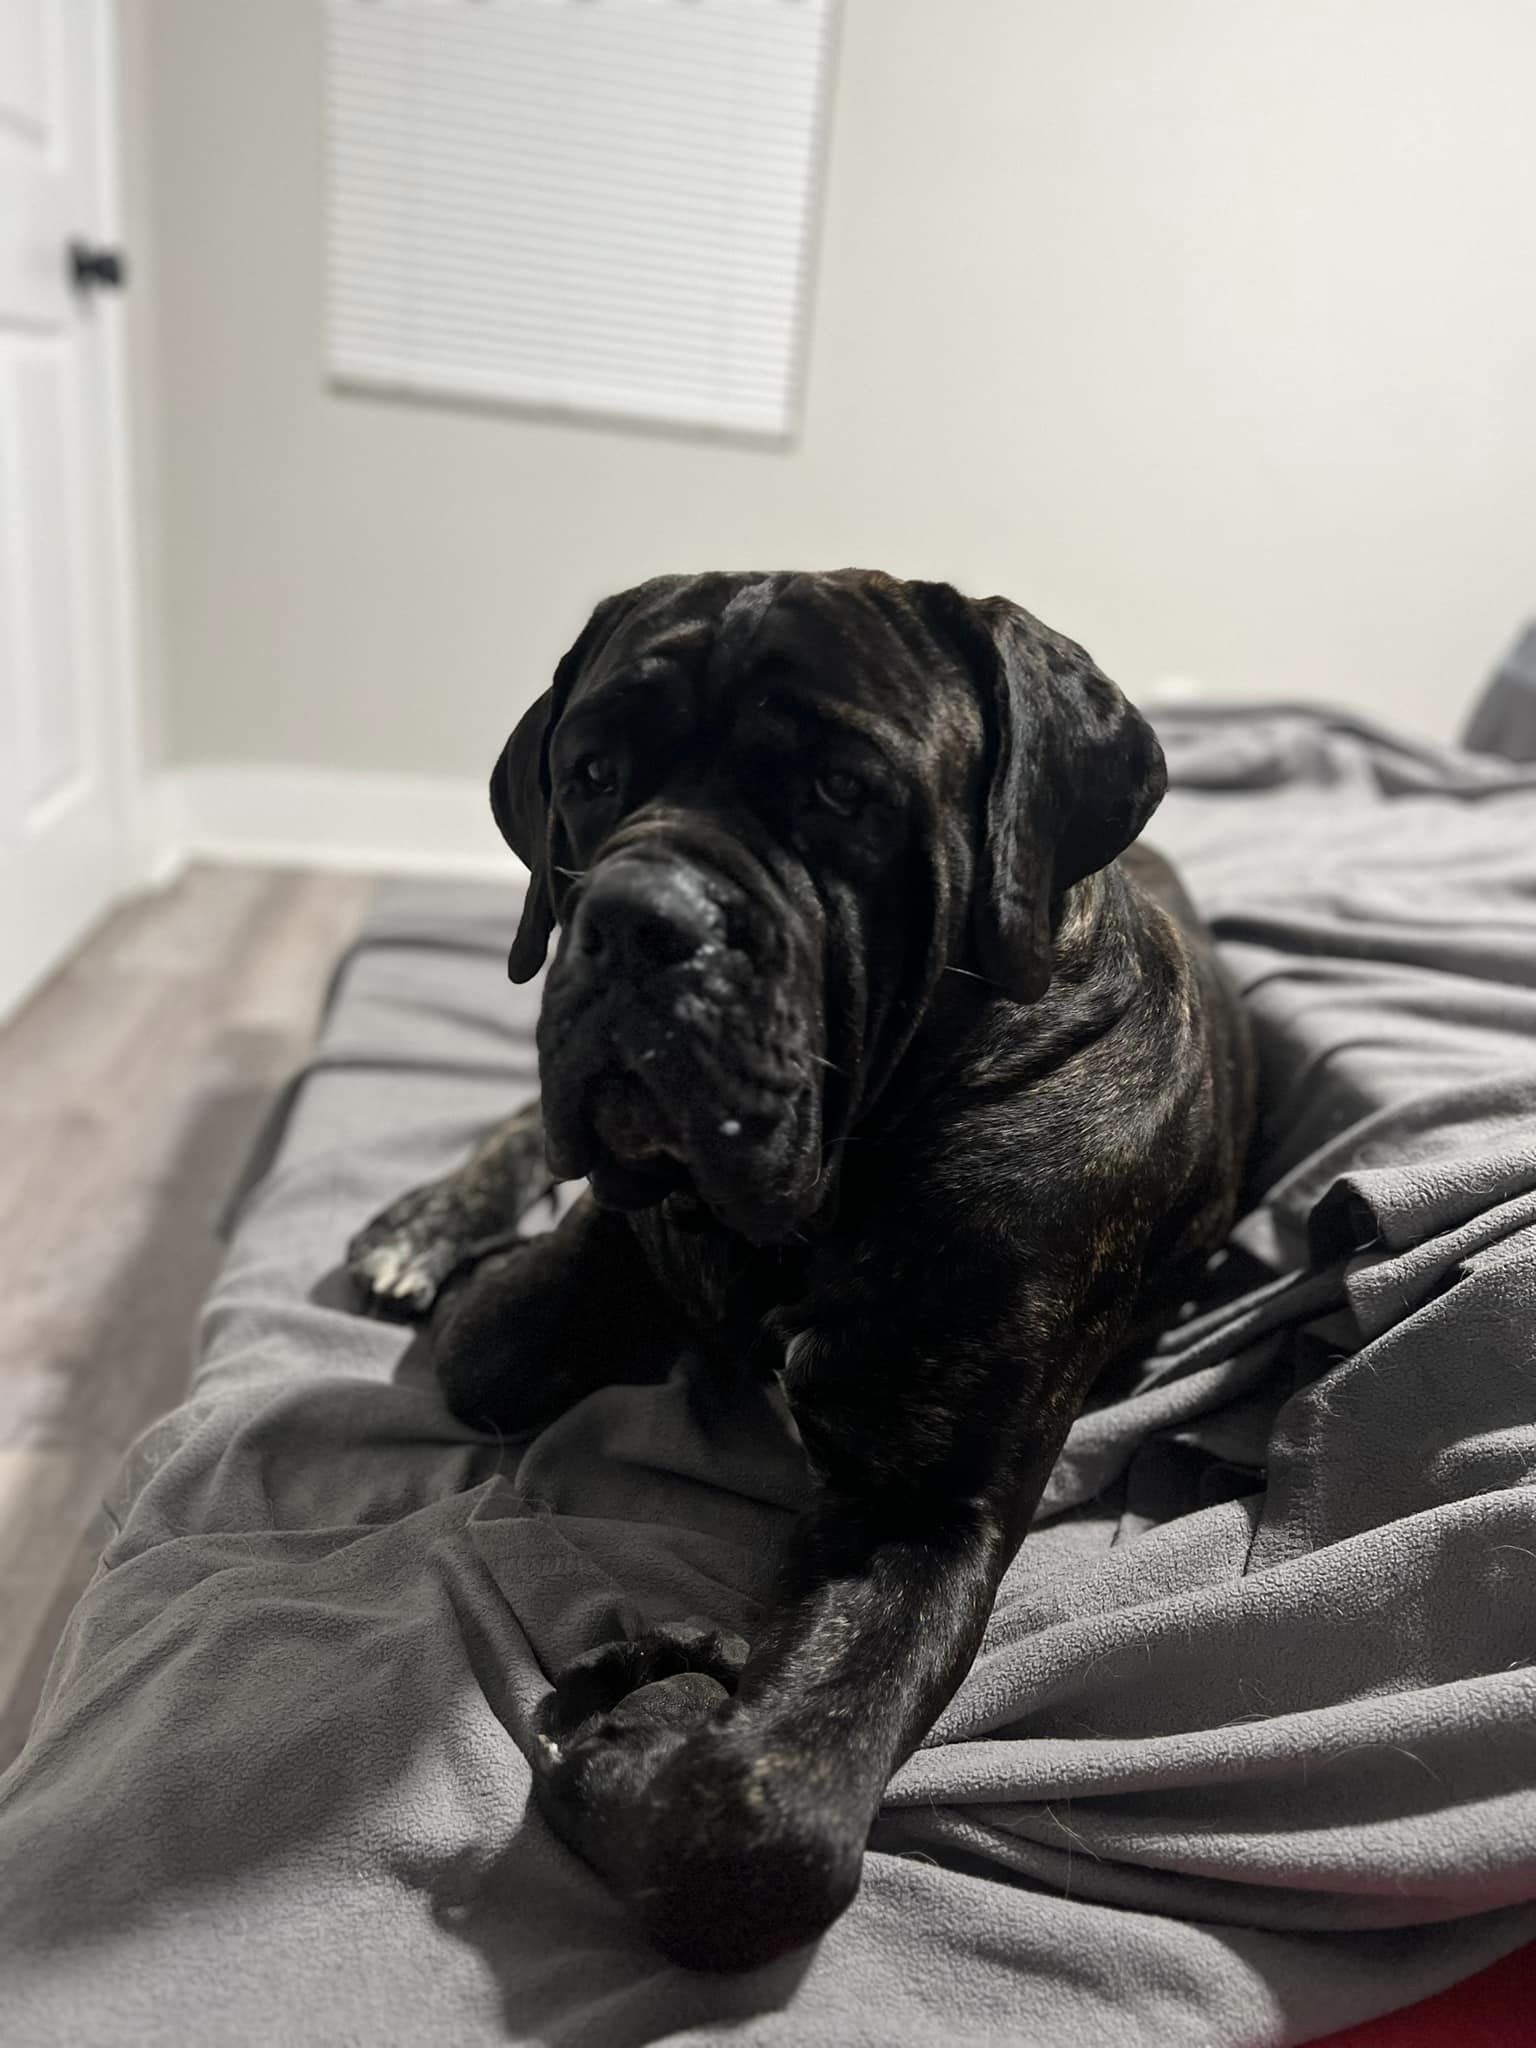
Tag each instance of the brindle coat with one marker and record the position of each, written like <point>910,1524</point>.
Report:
<point>888,1076</point>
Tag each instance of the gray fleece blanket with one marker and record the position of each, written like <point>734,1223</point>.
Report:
<point>1249,1752</point>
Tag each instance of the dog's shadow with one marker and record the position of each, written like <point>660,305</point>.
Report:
<point>556,1942</point>
<point>335,1290</point>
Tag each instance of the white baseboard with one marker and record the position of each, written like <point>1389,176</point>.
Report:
<point>312,818</point>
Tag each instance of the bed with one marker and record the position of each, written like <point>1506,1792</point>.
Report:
<point>1249,1753</point>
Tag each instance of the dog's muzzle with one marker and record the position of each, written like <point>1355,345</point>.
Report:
<point>676,1047</point>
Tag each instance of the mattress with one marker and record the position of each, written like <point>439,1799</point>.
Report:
<point>1249,1752</point>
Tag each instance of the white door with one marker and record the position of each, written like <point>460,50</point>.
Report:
<point>66,751</point>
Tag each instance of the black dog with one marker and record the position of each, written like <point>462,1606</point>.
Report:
<point>834,860</point>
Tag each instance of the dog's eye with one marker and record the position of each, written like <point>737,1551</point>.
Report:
<point>597,775</point>
<point>836,790</point>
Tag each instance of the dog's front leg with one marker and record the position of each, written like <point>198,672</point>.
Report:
<point>530,1329</point>
<point>736,1825</point>
<point>737,1830</point>
<point>401,1260</point>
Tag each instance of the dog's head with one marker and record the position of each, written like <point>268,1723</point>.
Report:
<point>767,812</point>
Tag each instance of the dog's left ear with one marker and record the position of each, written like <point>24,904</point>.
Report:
<point>1074,772</point>
<point>520,796</point>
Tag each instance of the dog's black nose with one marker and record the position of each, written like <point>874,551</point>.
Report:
<point>636,917</point>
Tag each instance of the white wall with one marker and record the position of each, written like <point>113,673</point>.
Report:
<point>1204,327</point>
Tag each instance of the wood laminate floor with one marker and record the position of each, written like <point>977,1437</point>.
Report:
<point>130,1087</point>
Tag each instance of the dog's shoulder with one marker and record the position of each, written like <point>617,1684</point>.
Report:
<point>1109,1082</point>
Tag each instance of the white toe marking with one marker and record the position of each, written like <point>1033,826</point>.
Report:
<point>386,1269</point>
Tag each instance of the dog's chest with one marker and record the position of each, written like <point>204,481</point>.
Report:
<point>726,1289</point>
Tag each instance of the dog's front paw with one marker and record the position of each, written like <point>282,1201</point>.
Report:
<point>592,1689</point>
<point>729,1855</point>
<point>616,1718</point>
<point>398,1264</point>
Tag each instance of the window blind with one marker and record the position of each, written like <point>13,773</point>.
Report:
<point>597,205</point>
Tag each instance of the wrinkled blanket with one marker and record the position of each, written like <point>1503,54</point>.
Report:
<point>1250,1749</point>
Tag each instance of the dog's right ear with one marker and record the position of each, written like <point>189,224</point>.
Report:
<point>520,806</point>
<point>520,798</point>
